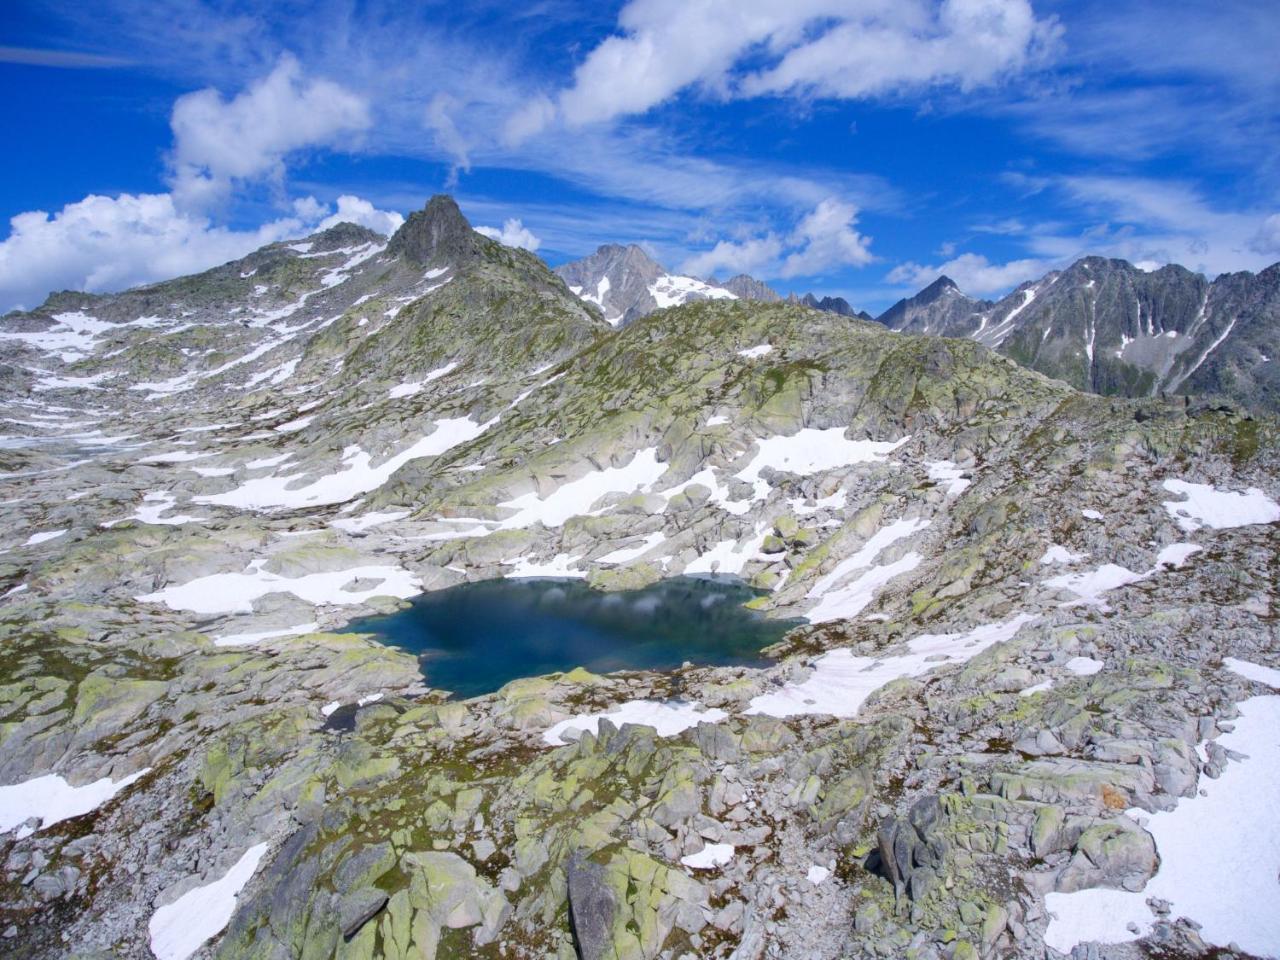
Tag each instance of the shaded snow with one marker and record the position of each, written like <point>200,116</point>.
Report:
<point>625,554</point>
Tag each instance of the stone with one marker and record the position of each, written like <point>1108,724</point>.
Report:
<point>593,908</point>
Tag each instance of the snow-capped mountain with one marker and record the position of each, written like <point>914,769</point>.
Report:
<point>626,284</point>
<point>1110,327</point>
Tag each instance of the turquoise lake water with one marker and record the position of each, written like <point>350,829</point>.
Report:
<point>473,638</point>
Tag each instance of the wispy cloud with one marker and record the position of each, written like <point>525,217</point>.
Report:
<point>66,59</point>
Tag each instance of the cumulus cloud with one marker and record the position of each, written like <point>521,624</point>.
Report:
<point>352,209</point>
<point>755,255</point>
<point>219,142</point>
<point>112,243</point>
<point>513,234</point>
<point>828,48</point>
<point>109,243</point>
<point>105,243</point>
<point>826,238</point>
<point>973,273</point>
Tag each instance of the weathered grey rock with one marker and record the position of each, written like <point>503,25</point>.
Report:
<point>593,908</point>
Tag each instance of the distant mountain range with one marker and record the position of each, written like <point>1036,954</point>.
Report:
<point>1112,328</point>
<point>1101,325</point>
<point>627,284</point>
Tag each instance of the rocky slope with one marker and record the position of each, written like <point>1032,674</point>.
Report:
<point>1112,328</point>
<point>1041,624</point>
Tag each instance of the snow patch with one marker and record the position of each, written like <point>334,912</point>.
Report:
<point>711,855</point>
<point>668,718</point>
<point>841,681</point>
<point>51,799</point>
<point>576,497</point>
<point>235,592</point>
<point>359,474</point>
<point>946,472</point>
<point>246,639</point>
<point>1206,506</point>
<point>179,929</point>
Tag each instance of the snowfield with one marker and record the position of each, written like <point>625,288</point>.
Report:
<point>1231,893</point>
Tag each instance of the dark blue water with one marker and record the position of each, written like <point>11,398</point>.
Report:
<point>473,638</point>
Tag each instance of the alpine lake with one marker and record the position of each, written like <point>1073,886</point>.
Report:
<point>474,638</point>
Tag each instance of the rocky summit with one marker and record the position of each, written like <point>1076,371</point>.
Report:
<point>1031,711</point>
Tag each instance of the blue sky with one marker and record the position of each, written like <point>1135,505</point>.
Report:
<point>852,147</point>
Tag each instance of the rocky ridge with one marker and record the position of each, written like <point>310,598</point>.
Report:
<point>203,478</point>
<point>1112,328</point>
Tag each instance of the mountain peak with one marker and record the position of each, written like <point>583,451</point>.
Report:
<point>436,234</point>
<point>939,287</point>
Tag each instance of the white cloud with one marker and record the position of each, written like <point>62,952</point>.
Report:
<point>825,238</point>
<point>513,234</point>
<point>356,210</point>
<point>973,273</point>
<point>109,243</point>
<point>218,142</point>
<point>105,243</point>
<point>755,255</point>
<point>892,47</point>
<point>112,243</point>
<point>828,48</point>
<point>439,119</point>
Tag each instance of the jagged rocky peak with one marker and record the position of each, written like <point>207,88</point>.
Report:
<point>436,235</point>
<point>940,308</point>
<point>837,305</point>
<point>619,263</point>
<point>745,287</point>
